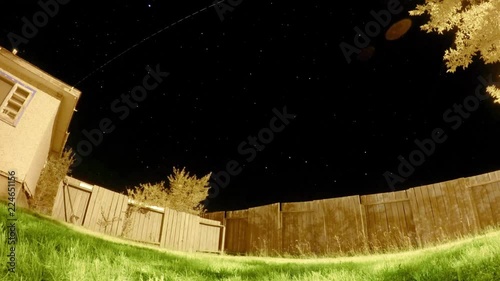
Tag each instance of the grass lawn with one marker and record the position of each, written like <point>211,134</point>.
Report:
<point>51,250</point>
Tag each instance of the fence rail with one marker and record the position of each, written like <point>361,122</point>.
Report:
<point>418,216</point>
<point>105,211</point>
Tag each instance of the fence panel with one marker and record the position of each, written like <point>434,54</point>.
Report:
<point>422,213</point>
<point>105,211</point>
<point>264,229</point>
<point>389,220</point>
<point>485,192</point>
<point>303,229</point>
<point>113,211</point>
<point>376,221</point>
<point>237,238</point>
<point>145,225</point>
<point>211,235</point>
<point>343,224</point>
<point>441,211</point>
<point>459,218</point>
<point>167,231</point>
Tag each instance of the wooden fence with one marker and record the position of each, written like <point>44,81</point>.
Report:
<point>418,216</point>
<point>105,211</point>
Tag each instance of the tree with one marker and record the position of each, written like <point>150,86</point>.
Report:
<point>476,24</point>
<point>184,193</point>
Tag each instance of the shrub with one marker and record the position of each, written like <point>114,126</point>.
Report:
<point>184,193</point>
<point>54,171</point>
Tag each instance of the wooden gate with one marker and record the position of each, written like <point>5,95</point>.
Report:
<point>70,204</point>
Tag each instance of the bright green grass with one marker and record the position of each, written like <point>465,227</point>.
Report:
<point>49,250</point>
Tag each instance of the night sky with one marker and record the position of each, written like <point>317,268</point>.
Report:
<point>222,81</point>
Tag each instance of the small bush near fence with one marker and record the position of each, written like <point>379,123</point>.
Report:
<point>56,168</point>
<point>184,192</point>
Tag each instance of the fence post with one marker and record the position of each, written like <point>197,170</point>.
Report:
<point>163,230</point>
<point>90,207</point>
<point>223,240</point>
<point>57,199</point>
<point>223,245</point>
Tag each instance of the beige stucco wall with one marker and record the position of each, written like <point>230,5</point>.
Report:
<point>39,159</point>
<point>21,199</point>
<point>25,148</point>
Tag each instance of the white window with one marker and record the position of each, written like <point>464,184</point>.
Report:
<point>14,97</point>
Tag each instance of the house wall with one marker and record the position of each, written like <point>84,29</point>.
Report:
<point>39,159</point>
<point>25,148</point>
<point>21,199</point>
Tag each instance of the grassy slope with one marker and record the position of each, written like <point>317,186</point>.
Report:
<point>50,250</point>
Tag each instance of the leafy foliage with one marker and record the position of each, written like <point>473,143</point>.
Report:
<point>184,193</point>
<point>56,168</point>
<point>476,24</point>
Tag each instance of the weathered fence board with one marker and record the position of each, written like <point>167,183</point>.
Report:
<point>297,227</point>
<point>210,231</point>
<point>389,220</point>
<point>486,197</point>
<point>102,216</point>
<point>343,224</point>
<point>145,226</point>
<point>263,229</point>
<point>237,238</point>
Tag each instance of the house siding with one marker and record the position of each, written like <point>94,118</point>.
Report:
<point>25,147</point>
